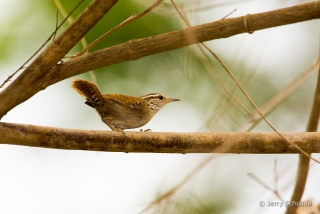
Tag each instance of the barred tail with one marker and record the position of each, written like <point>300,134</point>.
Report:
<point>89,91</point>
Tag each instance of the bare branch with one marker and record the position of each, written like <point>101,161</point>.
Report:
<point>304,162</point>
<point>53,35</point>
<point>36,78</point>
<point>112,141</point>
<point>136,49</point>
<point>31,79</point>
<point>240,86</point>
<point>172,191</point>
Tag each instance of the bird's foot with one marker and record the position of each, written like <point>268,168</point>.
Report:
<point>147,130</point>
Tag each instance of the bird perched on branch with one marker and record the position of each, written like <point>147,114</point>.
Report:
<point>121,111</point>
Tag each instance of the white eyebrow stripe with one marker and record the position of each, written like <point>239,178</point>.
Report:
<point>153,95</point>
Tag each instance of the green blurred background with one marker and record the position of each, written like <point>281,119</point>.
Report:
<point>41,180</point>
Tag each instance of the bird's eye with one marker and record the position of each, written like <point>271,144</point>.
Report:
<point>161,97</point>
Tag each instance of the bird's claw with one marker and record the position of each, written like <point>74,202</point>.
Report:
<point>147,130</point>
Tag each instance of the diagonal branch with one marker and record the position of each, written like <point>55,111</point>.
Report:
<point>30,81</point>
<point>112,141</point>
<point>52,36</point>
<point>267,108</point>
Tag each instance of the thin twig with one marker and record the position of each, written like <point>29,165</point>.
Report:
<point>258,180</point>
<point>243,90</point>
<point>275,174</point>
<point>174,190</point>
<point>229,14</point>
<point>260,113</point>
<point>125,22</point>
<point>57,22</point>
<point>224,89</point>
<point>34,78</point>
<point>83,40</point>
<point>275,101</point>
<point>53,34</point>
<point>255,106</point>
<point>63,11</point>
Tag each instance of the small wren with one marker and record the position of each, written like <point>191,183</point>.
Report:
<point>121,111</point>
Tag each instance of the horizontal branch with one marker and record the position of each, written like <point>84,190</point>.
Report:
<point>136,49</point>
<point>155,142</point>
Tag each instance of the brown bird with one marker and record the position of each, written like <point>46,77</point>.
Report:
<point>121,111</point>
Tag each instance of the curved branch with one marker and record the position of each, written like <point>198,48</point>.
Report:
<point>136,49</point>
<point>156,142</point>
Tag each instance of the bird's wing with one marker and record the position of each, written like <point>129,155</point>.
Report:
<point>125,100</point>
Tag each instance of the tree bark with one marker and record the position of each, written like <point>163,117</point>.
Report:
<point>136,49</point>
<point>156,142</point>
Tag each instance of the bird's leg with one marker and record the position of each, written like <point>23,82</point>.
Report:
<point>115,129</point>
<point>119,130</point>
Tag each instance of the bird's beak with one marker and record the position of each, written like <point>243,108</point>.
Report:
<point>173,99</point>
